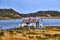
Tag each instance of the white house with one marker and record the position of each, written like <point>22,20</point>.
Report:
<point>31,21</point>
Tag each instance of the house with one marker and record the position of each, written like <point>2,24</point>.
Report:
<point>31,21</point>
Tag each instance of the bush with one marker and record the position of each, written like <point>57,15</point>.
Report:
<point>0,38</point>
<point>39,38</point>
<point>18,31</point>
<point>1,33</point>
<point>24,35</point>
<point>11,31</point>
<point>56,35</point>
<point>32,27</point>
<point>31,33</point>
<point>30,36</point>
<point>48,35</point>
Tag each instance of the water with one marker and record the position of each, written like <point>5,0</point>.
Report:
<point>5,24</point>
<point>51,22</point>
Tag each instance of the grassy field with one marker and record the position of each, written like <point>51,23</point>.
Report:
<point>46,33</point>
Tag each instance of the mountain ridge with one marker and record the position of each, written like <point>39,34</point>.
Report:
<point>12,14</point>
<point>43,14</point>
<point>9,14</point>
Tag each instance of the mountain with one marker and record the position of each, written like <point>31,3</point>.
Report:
<point>12,14</point>
<point>44,14</point>
<point>9,14</point>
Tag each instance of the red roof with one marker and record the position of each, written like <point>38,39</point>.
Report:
<point>29,20</point>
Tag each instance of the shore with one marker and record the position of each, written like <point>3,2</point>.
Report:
<point>46,33</point>
<point>7,18</point>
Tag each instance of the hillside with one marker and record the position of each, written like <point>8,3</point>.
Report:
<point>24,33</point>
<point>43,14</point>
<point>12,14</point>
<point>9,14</point>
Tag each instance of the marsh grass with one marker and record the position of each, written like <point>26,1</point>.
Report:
<point>1,34</point>
<point>39,38</point>
<point>31,33</point>
<point>30,36</point>
<point>24,35</point>
<point>0,38</point>
<point>53,36</point>
<point>11,32</point>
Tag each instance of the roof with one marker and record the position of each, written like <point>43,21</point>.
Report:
<point>30,20</point>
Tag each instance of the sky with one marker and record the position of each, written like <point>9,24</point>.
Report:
<point>29,6</point>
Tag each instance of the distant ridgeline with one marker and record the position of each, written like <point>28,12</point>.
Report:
<point>9,14</point>
<point>44,14</point>
<point>12,14</point>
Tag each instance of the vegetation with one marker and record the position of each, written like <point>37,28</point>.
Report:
<point>1,34</point>
<point>49,14</point>
<point>9,14</point>
<point>30,36</point>
<point>24,33</point>
<point>31,33</point>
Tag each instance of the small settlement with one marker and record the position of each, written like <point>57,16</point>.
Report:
<point>31,21</point>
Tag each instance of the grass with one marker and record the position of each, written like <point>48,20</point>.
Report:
<point>39,38</point>
<point>30,36</point>
<point>1,34</point>
<point>0,38</point>
<point>31,33</point>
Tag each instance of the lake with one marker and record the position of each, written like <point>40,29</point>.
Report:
<point>6,24</point>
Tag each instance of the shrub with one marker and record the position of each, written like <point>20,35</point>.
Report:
<point>24,35</point>
<point>0,38</point>
<point>48,35</point>
<point>39,38</point>
<point>18,31</point>
<point>56,35</point>
<point>11,31</point>
<point>31,33</point>
<point>30,36</point>
<point>1,33</point>
<point>32,27</point>
<point>42,39</point>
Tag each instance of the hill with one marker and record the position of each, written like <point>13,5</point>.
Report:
<point>43,14</point>
<point>12,14</point>
<point>9,14</point>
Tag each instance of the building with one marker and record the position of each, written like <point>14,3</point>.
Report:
<point>31,21</point>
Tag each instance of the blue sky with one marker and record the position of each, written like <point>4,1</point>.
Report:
<point>28,6</point>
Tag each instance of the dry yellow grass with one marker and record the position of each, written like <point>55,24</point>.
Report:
<point>46,33</point>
